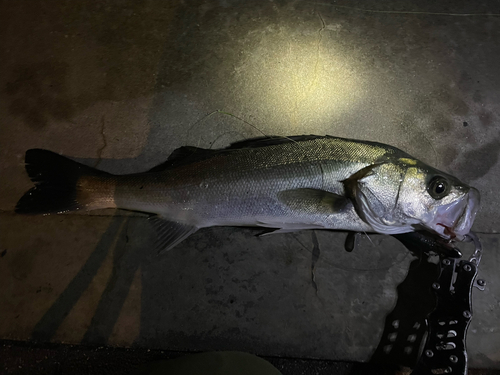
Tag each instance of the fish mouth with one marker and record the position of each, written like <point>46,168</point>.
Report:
<point>454,221</point>
<point>447,231</point>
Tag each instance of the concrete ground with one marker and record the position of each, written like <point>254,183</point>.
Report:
<point>119,85</point>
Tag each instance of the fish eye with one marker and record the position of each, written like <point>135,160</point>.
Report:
<point>438,187</point>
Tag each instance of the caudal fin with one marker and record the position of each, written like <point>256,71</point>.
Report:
<point>56,181</point>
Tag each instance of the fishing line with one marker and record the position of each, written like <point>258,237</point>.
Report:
<point>407,12</point>
<point>238,118</point>
<point>256,128</point>
<point>369,239</point>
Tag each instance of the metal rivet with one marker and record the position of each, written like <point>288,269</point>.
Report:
<point>467,314</point>
<point>481,282</point>
<point>453,358</point>
<point>467,268</point>
<point>446,262</point>
<point>429,353</point>
<point>436,286</point>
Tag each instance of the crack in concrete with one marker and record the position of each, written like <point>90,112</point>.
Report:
<point>104,141</point>
<point>345,268</point>
<point>303,94</point>
<point>315,79</point>
<point>314,258</point>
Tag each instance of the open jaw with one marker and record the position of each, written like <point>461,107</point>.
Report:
<point>454,220</point>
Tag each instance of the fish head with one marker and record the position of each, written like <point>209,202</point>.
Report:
<point>446,206</point>
<point>406,196</point>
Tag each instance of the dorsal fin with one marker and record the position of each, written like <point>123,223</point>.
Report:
<point>185,155</point>
<point>189,154</point>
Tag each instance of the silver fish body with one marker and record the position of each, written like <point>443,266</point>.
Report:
<point>289,184</point>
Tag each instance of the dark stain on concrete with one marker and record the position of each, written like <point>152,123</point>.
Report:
<point>448,155</point>
<point>39,93</point>
<point>21,264</point>
<point>442,124</point>
<point>113,47</point>
<point>466,82</point>
<point>435,107</point>
<point>458,106</point>
<point>477,96</point>
<point>486,118</point>
<point>477,163</point>
<point>440,95</point>
<point>449,97</point>
<point>46,288</point>
<point>130,34</point>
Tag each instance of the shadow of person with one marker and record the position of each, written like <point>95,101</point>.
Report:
<point>127,259</point>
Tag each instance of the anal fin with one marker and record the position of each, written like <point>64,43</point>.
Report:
<point>170,233</point>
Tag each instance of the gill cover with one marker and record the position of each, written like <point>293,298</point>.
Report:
<point>375,190</point>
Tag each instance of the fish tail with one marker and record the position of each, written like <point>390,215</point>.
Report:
<point>63,185</point>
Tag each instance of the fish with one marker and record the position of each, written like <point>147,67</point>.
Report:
<point>283,184</point>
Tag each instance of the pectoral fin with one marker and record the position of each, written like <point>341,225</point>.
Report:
<point>170,233</point>
<point>313,201</point>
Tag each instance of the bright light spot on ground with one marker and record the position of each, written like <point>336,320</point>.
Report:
<point>302,78</point>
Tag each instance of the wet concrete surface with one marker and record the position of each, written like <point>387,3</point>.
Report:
<point>119,85</point>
